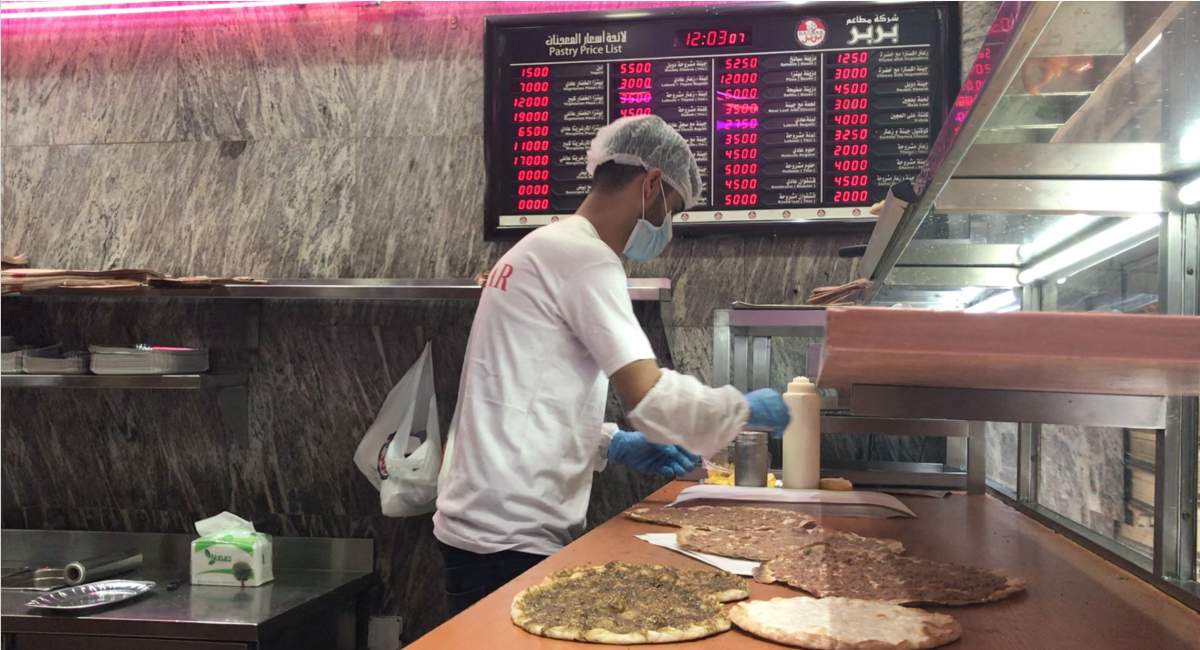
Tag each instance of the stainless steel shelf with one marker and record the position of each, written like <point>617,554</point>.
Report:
<point>640,289</point>
<point>174,382</point>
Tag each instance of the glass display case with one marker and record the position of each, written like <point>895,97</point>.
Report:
<point>1067,179</point>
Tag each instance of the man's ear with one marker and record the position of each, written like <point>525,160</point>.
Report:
<point>651,188</point>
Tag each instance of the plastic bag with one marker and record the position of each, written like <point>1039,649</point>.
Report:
<point>402,452</point>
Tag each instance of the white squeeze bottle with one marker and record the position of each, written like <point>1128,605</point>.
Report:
<point>802,437</point>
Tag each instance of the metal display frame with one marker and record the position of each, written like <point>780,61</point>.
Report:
<point>1097,178</point>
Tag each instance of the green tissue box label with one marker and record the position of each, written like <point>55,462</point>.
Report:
<point>213,558</point>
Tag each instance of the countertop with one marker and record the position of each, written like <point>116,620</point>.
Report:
<point>312,575</point>
<point>1074,599</point>
<point>196,612</point>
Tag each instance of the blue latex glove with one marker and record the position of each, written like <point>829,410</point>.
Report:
<point>632,449</point>
<point>767,411</point>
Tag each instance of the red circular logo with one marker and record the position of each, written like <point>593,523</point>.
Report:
<point>811,32</point>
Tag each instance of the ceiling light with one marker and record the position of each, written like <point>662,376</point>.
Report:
<point>1114,241</point>
<point>1190,194</point>
<point>1138,58</point>
<point>997,303</point>
<point>1062,230</point>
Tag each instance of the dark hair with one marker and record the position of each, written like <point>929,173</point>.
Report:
<point>612,176</point>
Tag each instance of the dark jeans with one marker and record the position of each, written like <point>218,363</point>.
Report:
<point>471,576</point>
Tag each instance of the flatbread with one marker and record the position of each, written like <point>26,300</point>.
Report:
<point>825,570</point>
<point>622,604</point>
<point>725,517</point>
<point>765,545</point>
<point>844,624</point>
<point>727,587</point>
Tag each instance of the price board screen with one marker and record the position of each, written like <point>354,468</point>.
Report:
<point>794,114</point>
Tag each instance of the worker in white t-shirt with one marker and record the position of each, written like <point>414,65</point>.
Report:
<point>554,326</point>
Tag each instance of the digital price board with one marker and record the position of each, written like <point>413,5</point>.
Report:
<point>795,113</point>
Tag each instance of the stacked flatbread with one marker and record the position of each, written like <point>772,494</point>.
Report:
<point>724,518</point>
<point>861,583</point>
<point>767,545</point>
<point>830,570</point>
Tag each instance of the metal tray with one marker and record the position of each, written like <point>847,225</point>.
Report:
<point>96,594</point>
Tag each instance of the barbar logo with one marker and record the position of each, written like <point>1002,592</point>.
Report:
<point>811,32</point>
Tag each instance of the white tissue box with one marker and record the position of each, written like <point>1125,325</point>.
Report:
<point>235,558</point>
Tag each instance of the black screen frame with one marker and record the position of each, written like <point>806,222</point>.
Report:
<point>949,35</point>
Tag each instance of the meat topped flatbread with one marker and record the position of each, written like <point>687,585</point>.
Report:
<point>767,545</point>
<point>622,604</point>
<point>844,624</point>
<point>826,570</point>
<point>724,517</point>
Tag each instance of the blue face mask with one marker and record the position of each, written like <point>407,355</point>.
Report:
<point>648,241</point>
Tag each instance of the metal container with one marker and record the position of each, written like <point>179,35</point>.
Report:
<point>102,566</point>
<point>753,459</point>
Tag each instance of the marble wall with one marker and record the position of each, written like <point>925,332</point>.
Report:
<point>323,141</point>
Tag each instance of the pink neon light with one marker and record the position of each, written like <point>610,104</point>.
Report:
<point>148,7</point>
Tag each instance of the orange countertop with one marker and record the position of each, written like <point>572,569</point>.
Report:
<point>1074,599</point>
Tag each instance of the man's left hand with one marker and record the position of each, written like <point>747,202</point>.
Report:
<point>632,449</point>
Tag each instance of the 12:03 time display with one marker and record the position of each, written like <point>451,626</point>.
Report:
<point>708,38</point>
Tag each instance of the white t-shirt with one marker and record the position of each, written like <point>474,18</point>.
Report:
<point>554,322</point>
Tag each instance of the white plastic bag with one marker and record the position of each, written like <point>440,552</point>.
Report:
<point>402,451</point>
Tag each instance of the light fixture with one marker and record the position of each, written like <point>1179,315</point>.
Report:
<point>1138,58</point>
<point>1010,308</point>
<point>1062,230</point>
<point>1113,241</point>
<point>67,9</point>
<point>995,303</point>
<point>1189,144</point>
<point>1190,194</point>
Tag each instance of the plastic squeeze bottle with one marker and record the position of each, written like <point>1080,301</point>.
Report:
<point>802,437</point>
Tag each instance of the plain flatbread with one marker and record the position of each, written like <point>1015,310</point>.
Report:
<point>844,624</point>
<point>765,545</point>
<point>824,570</point>
<point>724,517</point>
<point>620,604</point>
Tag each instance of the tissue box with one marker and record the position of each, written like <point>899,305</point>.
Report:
<point>235,558</point>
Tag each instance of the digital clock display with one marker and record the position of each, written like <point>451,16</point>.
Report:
<point>708,38</point>
<point>792,112</point>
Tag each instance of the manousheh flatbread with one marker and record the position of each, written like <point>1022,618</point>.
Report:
<point>764,545</point>
<point>825,570</point>
<point>624,604</point>
<point>724,517</point>
<point>844,624</point>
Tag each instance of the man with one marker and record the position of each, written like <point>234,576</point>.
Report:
<point>554,326</point>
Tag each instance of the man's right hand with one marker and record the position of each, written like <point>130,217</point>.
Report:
<point>632,449</point>
<point>768,411</point>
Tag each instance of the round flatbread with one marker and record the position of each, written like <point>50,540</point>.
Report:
<point>844,624</point>
<point>724,517</point>
<point>825,570</point>
<point>764,545</point>
<point>621,604</point>
<point>726,586</point>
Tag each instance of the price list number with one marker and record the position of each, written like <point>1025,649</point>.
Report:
<point>738,108</point>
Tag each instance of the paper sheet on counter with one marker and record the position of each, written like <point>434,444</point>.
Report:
<point>822,503</point>
<point>667,540</point>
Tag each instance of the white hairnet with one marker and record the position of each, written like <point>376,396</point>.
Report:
<point>648,142</point>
